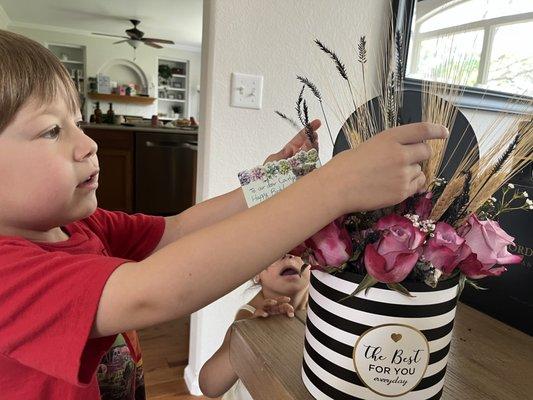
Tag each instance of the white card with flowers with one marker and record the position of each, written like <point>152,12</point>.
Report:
<point>264,181</point>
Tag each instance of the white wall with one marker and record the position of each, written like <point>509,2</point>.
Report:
<point>4,19</point>
<point>100,50</point>
<point>272,38</point>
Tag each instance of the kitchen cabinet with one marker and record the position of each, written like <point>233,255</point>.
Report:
<point>146,170</point>
<point>164,177</point>
<point>116,159</point>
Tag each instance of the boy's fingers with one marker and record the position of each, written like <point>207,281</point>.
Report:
<point>301,135</point>
<point>418,132</point>
<point>418,184</point>
<point>417,152</point>
<point>315,124</point>
<point>414,171</point>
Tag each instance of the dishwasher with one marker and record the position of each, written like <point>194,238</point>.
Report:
<point>165,172</point>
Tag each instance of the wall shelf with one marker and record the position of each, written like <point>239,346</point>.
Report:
<point>175,100</point>
<point>73,59</point>
<point>173,88</point>
<point>121,99</point>
<point>173,85</point>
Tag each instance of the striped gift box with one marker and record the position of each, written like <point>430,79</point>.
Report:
<point>335,323</point>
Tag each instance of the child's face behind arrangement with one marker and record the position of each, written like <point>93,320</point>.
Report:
<point>48,170</point>
<point>283,278</point>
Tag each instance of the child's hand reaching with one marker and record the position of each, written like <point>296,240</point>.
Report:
<point>279,305</point>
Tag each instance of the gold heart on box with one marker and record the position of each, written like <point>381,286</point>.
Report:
<point>396,337</point>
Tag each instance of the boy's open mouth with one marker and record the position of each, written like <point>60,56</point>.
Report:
<point>289,271</point>
<point>91,180</point>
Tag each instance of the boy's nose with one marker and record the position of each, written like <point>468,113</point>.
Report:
<point>86,147</point>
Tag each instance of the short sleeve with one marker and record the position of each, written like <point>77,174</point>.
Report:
<point>49,302</point>
<point>132,237</point>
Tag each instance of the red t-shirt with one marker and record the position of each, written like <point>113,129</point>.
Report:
<point>49,295</point>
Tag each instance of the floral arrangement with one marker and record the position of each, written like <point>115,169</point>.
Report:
<point>449,231</point>
<point>406,243</point>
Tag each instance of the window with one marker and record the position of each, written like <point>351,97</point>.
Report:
<point>479,43</point>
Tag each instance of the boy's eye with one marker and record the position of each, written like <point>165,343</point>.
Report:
<point>78,124</point>
<point>52,133</point>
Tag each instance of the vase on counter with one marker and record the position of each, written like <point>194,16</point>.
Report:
<point>377,345</point>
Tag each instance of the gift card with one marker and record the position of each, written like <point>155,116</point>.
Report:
<point>264,181</point>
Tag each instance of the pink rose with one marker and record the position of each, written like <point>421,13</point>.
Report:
<point>329,247</point>
<point>424,205</point>
<point>474,269</point>
<point>394,255</point>
<point>489,242</point>
<point>446,248</point>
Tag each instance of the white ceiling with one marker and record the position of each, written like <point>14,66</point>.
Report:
<point>177,20</point>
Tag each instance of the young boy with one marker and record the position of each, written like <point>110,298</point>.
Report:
<point>74,276</point>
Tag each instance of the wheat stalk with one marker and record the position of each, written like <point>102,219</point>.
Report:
<point>451,192</point>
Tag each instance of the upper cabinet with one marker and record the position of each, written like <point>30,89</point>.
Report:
<point>173,89</point>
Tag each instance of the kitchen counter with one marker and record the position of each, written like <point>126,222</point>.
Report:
<point>184,130</point>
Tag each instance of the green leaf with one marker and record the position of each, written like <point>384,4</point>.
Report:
<point>400,289</point>
<point>461,286</point>
<point>367,282</point>
<point>475,285</point>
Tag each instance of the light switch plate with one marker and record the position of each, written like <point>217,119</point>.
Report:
<point>246,90</point>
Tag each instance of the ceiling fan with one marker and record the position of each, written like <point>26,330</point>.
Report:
<point>136,37</point>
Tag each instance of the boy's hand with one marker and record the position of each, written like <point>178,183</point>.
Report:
<point>382,171</point>
<point>279,305</point>
<point>297,143</point>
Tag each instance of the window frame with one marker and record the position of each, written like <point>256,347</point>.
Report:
<point>472,97</point>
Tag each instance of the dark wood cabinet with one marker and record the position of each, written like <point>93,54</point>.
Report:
<point>116,159</point>
<point>146,171</point>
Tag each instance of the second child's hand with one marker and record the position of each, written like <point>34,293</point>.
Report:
<point>279,305</point>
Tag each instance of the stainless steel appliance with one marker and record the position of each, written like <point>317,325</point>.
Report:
<point>165,168</point>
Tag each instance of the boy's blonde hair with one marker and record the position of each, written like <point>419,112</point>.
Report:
<point>30,71</point>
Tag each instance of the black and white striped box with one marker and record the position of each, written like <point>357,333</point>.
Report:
<point>336,323</point>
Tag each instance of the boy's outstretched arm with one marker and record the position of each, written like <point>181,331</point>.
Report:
<point>213,210</point>
<point>200,267</point>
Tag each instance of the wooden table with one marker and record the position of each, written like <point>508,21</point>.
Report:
<point>488,360</point>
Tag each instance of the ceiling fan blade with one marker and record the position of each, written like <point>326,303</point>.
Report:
<point>154,45</point>
<point>121,41</point>
<point>105,34</point>
<point>164,41</point>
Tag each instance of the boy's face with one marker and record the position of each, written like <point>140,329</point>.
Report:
<point>48,168</point>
